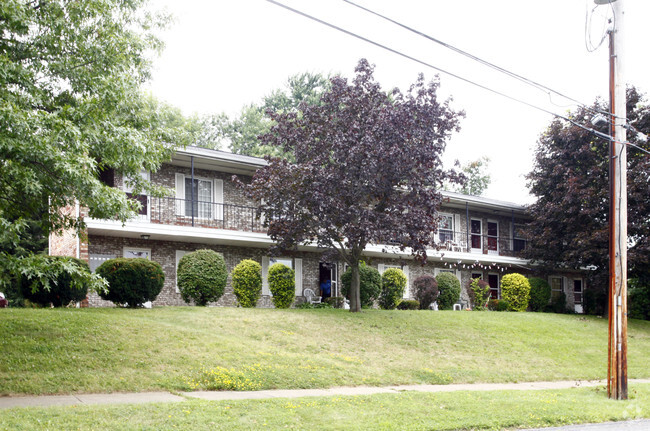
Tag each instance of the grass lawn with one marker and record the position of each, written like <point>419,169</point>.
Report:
<point>404,411</point>
<point>49,351</point>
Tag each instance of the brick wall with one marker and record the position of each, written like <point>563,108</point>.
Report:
<point>164,252</point>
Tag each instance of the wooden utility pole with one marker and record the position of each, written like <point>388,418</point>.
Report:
<point>617,364</point>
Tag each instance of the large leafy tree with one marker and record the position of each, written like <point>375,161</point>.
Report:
<point>570,180</point>
<point>71,107</point>
<point>477,177</point>
<point>367,170</point>
<point>241,133</point>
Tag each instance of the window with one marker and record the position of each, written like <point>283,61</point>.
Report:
<point>518,241</point>
<point>95,260</point>
<point>143,214</point>
<point>577,291</point>
<point>405,269</point>
<point>287,261</point>
<point>131,253</point>
<point>199,197</point>
<point>295,264</point>
<point>557,286</point>
<point>446,228</point>
<point>476,236</point>
<point>179,254</point>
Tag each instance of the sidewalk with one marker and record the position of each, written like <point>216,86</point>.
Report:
<point>156,397</point>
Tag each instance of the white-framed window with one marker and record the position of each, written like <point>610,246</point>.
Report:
<point>134,252</point>
<point>518,240</point>
<point>405,269</point>
<point>293,263</point>
<point>127,186</point>
<point>95,260</point>
<point>476,235</point>
<point>557,285</point>
<point>493,237</point>
<point>179,255</point>
<point>199,197</point>
<point>446,228</point>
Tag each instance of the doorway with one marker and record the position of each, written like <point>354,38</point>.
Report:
<point>327,279</point>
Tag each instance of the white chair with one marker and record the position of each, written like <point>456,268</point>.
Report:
<point>311,297</point>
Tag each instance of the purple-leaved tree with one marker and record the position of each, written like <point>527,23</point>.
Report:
<point>367,170</point>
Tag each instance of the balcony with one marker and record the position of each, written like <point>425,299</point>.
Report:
<point>184,212</point>
<point>484,244</point>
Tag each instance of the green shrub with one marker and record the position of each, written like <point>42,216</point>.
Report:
<point>66,287</point>
<point>558,303</point>
<point>449,288</point>
<point>498,305</point>
<point>638,300</point>
<point>370,284</point>
<point>393,283</point>
<point>202,276</point>
<point>131,282</point>
<point>247,282</point>
<point>540,293</point>
<point>425,290</point>
<point>479,293</point>
<point>282,284</point>
<point>409,304</point>
<point>596,300</point>
<point>335,301</point>
<point>515,289</point>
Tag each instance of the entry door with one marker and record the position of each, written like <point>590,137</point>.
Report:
<point>493,237</point>
<point>476,236</point>
<point>493,281</point>
<point>577,295</point>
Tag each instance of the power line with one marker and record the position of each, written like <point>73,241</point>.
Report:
<point>545,89</point>
<point>394,51</point>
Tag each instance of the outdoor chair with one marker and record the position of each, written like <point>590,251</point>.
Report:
<point>311,297</point>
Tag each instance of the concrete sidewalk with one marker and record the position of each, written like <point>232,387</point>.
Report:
<point>156,397</point>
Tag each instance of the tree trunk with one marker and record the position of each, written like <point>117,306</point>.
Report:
<point>355,289</point>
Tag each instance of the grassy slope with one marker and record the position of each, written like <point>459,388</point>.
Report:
<point>103,350</point>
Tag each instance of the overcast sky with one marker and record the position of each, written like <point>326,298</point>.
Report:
<point>221,55</point>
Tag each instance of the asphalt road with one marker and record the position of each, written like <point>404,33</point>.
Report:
<point>636,425</point>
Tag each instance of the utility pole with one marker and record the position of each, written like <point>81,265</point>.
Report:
<point>617,364</point>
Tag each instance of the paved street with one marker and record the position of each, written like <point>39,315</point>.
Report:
<point>636,425</point>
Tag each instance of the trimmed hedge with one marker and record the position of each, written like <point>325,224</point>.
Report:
<point>202,276</point>
<point>247,282</point>
<point>369,284</point>
<point>393,283</point>
<point>426,290</point>
<point>449,288</point>
<point>515,289</point>
<point>131,282</point>
<point>62,290</point>
<point>479,293</point>
<point>282,284</point>
<point>540,293</point>
<point>409,304</point>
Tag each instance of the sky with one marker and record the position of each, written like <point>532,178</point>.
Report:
<point>221,55</point>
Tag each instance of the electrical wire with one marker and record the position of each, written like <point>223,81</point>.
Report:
<point>545,89</point>
<point>466,80</point>
<point>588,43</point>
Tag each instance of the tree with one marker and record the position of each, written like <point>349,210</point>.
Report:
<point>71,107</point>
<point>367,170</point>
<point>570,180</point>
<point>477,176</point>
<point>241,134</point>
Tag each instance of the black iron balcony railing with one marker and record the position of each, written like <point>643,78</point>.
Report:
<point>185,212</point>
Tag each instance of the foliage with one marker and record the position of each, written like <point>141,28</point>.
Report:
<point>202,276</point>
<point>282,283</point>
<point>241,134</point>
<point>425,290</point>
<point>478,177</point>
<point>498,305</point>
<point>479,293</point>
<point>335,301</point>
<point>247,282</point>
<point>449,288</point>
<point>409,304</point>
<point>369,281</point>
<point>638,300</point>
<point>60,291</point>
<point>570,180</point>
<point>595,300</point>
<point>558,303</point>
<point>367,170</point>
<point>515,289</point>
<point>131,282</point>
<point>393,283</point>
<point>540,293</point>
